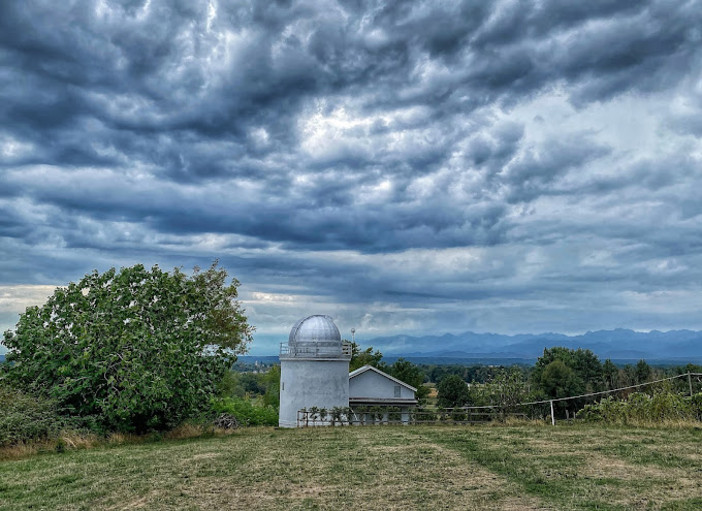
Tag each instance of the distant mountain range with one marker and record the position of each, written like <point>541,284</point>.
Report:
<point>620,344</point>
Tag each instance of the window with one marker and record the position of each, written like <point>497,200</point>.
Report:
<point>398,390</point>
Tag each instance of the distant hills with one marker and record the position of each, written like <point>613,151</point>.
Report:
<point>620,344</point>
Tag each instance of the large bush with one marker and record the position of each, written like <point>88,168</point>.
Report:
<point>641,408</point>
<point>24,418</point>
<point>136,349</point>
<point>247,412</point>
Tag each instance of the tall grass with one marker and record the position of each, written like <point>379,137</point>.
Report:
<point>247,412</point>
<point>662,407</point>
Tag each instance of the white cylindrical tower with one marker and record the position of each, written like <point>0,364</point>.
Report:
<point>314,369</point>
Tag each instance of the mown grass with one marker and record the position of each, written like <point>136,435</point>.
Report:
<point>394,467</point>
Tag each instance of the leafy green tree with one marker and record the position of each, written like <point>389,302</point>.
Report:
<point>642,372</point>
<point>131,350</point>
<point>452,392</point>
<point>508,388</point>
<point>252,384</point>
<point>610,375</point>
<point>366,357</point>
<point>271,382</point>
<point>586,367</point>
<point>559,380</point>
<point>478,373</point>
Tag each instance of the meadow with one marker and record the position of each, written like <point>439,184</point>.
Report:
<point>507,467</point>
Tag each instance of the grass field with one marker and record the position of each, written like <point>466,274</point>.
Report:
<point>393,467</point>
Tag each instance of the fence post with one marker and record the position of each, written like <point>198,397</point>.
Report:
<point>553,417</point>
<point>689,382</point>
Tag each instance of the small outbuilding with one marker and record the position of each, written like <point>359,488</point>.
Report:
<point>371,387</point>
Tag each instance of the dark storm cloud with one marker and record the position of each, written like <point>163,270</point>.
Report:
<point>559,140</point>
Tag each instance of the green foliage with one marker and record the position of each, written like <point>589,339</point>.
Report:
<point>337,415</point>
<point>229,385</point>
<point>643,408</point>
<point>248,385</point>
<point>366,357</point>
<point>134,349</point>
<point>696,404</point>
<point>559,380</point>
<point>271,383</point>
<point>452,392</point>
<point>477,373</point>
<point>246,411</point>
<point>562,372</point>
<point>252,384</point>
<point>610,375</point>
<point>507,389</point>
<point>314,413</point>
<point>24,417</point>
<point>642,372</point>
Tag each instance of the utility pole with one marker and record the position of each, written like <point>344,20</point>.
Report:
<point>353,335</point>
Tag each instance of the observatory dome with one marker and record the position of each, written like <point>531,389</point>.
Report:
<point>315,329</point>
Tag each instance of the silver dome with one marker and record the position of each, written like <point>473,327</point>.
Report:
<point>315,329</point>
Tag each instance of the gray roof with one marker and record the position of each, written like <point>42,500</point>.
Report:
<point>315,329</point>
<point>365,368</point>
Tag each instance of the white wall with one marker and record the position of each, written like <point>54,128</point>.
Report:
<point>372,384</point>
<point>311,382</point>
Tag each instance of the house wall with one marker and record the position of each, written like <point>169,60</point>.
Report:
<point>372,384</point>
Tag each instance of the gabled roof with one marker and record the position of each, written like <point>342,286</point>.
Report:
<point>366,368</point>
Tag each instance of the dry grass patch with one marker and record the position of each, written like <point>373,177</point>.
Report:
<point>653,486</point>
<point>584,468</point>
<point>388,468</point>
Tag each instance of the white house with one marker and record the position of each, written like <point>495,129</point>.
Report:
<point>369,386</point>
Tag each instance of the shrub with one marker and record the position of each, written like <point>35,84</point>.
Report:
<point>642,408</point>
<point>246,412</point>
<point>696,405</point>
<point>24,418</point>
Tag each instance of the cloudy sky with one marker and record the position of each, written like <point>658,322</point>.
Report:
<point>406,167</point>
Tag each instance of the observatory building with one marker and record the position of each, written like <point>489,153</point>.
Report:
<point>314,369</point>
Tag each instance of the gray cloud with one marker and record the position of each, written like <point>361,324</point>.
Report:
<point>531,154</point>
